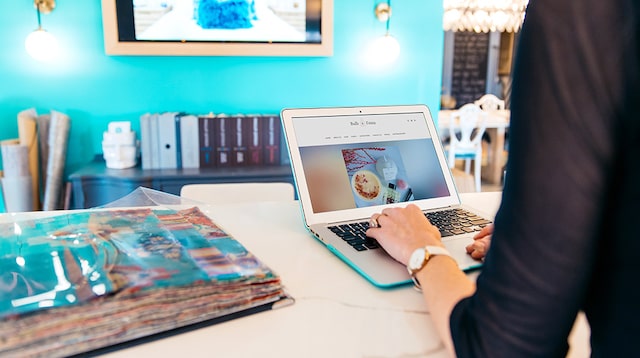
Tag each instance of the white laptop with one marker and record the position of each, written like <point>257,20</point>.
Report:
<point>351,162</point>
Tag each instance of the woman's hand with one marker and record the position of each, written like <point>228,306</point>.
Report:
<point>482,240</point>
<point>402,230</point>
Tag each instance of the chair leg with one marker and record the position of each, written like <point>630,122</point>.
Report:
<point>467,166</point>
<point>478,166</point>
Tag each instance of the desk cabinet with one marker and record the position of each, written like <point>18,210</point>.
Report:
<point>95,184</point>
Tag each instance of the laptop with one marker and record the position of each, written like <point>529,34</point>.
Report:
<point>351,162</point>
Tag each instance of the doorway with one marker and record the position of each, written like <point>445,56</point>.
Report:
<point>475,64</point>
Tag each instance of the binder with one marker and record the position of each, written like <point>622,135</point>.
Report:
<point>205,141</point>
<point>223,133</point>
<point>178,147</point>
<point>167,145</point>
<point>272,134</point>
<point>189,142</point>
<point>154,144</point>
<point>145,140</point>
<point>239,140</point>
<point>254,136</point>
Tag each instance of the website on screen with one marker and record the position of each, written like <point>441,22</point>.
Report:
<point>368,160</point>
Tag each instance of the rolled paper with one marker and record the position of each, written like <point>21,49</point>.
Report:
<point>43,144</point>
<point>17,193</point>
<point>58,138</point>
<point>28,133</point>
<point>15,159</point>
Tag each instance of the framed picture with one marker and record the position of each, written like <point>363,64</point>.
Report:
<point>218,27</point>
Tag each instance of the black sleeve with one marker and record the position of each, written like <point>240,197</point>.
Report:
<point>568,90</point>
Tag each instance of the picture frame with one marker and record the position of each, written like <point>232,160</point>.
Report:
<point>121,37</point>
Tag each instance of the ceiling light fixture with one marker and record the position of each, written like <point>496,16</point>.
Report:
<point>40,44</point>
<point>385,49</point>
<point>484,15</point>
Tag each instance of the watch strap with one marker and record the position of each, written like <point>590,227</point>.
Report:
<point>430,250</point>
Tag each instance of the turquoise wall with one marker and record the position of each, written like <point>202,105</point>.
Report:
<point>94,89</point>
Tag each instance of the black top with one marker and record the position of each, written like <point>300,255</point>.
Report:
<point>566,237</point>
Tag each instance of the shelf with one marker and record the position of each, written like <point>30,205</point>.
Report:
<point>96,185</point>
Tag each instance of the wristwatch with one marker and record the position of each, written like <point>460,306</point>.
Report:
<point>419,259</point>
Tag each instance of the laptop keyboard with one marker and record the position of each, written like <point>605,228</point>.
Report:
<point>354,235</point>
<point>449,222</point>
<point>456,221</point>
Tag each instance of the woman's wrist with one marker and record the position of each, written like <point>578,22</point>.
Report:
<point>436,265</point>
<point>421,258</point>
<point>424,241</point>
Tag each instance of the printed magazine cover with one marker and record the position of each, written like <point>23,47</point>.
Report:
<point>86,280</point>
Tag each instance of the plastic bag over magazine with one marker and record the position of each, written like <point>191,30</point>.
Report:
<point>147,240</point>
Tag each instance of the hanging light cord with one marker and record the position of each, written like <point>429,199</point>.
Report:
<point>389,15</point>
<point>38,12</point>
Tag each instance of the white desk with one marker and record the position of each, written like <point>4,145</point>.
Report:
<point>337,312</point>
<point>497,122</point>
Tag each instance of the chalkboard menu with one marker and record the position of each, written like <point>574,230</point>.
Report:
<point>469,74</point>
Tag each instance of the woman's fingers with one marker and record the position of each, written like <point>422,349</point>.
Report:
<point>401,230</point>
<point>486,231</point>
<point>479,248</point>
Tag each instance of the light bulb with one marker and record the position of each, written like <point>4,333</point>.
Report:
<point>384,50</point>
<point>41,45</point>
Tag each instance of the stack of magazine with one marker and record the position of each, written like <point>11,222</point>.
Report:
<point>87,280</point>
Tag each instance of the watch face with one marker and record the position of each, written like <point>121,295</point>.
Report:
<point>417,258</point>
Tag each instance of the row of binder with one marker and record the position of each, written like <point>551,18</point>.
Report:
<point>173,140</point>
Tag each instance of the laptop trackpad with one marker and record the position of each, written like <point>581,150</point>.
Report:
<point>458,249</point>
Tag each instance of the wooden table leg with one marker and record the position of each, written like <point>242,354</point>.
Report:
<point>492,172</point>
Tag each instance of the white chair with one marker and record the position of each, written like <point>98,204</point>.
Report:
<point>489,102</point>
<point>228,193</point>
<point>466,127</point>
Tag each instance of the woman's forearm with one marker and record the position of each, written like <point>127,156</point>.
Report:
<point>443,286</point>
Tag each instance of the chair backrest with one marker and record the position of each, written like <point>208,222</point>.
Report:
<point>228,193</point>
<point>470,121</point>
<point>490,102</point>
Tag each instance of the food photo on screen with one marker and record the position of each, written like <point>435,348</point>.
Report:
<point>377,175</point>
<point>348,176</point>
<point>220,20</point>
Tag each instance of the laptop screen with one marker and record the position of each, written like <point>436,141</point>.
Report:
<point>362,160</point>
